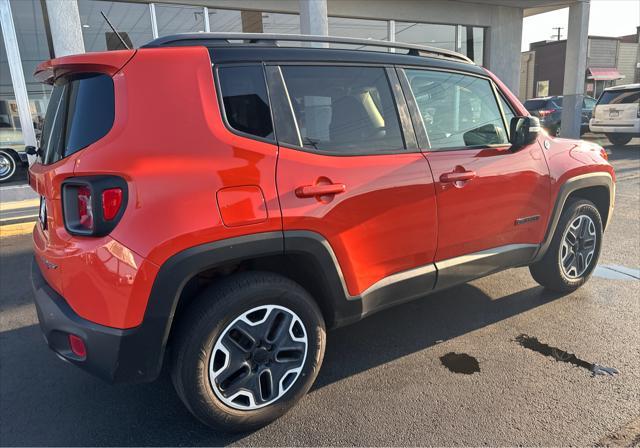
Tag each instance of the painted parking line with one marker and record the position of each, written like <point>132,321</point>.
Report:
<point>5,206</point>
<point>23,228</point>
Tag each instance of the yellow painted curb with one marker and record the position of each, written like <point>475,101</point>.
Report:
<point>22,228</point>
<point>14,205</point>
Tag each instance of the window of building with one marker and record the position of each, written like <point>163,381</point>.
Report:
<point>34,48</point>
<point>471,43</point>
<point>174,19</point>
<point>433,35</point>
<point>360,29</point>
<point>344,109</point>
<point>457,110</point>
<point>132,20</point>
<point>234,21</point>
<point>246,104</point>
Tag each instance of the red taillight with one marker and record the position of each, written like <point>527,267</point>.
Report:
<point>93,205</point>
<point>111,202</point>
<point>77,346</point>
<point>85,209</point>
<point>544,113</point>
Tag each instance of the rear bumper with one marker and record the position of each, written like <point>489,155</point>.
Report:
<point>115,355</point>
<point>614,128</point>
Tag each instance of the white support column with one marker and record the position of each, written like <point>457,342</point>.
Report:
<point>154,20</point>
<point>575,67</point>
<point>207,25</point>
<point>66,29</point>
<point>17,74</point>
<point>313,18</point>
<point>391,33</point>
<point>502,45</point>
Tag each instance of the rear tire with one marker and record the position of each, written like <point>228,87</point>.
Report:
<point>574,250</point>
<point>619,139</point>
<point>223,350</point>
<point>8,165</point>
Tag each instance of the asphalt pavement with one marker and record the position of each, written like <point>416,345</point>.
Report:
<point>497,361</point>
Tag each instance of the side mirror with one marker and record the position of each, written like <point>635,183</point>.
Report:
<point>523,131</point>
<point>32,151</point>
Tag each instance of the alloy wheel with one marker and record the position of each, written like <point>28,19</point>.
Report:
<point>258,357</point>
<point>578,246</point>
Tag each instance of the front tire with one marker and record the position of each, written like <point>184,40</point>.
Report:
<point>619,139</point>
<point>574,249</point>
<point>247,351</point>
<point>8,165</point>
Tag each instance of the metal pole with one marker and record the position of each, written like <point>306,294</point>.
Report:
<point>17,75</point>
<point>391,33</point>
<point>207,25</point>
<point>154,22</point>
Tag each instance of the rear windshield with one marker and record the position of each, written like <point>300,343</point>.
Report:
<point>620,97</point>
<point>80,112</point>
<point>535,104</point>
<point>543,104</point>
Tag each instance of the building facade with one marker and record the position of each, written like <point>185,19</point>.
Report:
<point>488,31</point>
<point>610,61</point>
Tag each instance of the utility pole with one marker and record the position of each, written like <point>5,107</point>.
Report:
<point>559,34</point>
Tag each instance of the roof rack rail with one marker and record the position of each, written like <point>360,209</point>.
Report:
<point>272,39</point>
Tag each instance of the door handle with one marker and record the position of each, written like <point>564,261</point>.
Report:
<point>311,191</point>
<point>456,176</point>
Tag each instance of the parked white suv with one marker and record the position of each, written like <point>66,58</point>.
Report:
<point>617,114</point>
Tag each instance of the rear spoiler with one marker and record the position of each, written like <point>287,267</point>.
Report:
<point>108,62</point>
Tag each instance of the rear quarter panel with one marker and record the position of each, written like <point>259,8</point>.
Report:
<point>170,144</point>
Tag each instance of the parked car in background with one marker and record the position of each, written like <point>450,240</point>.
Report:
<point>12,154</point>
<point>549,111</point>
<point>617,114</point>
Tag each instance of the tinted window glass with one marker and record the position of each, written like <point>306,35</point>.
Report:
<point>246,104</point>
<point>588,103</point>
<point>620,97</point>
<point>557,102</point>
<point>535,104</point>
<point>507,110</point>
<point>81,112</point>
<point>457,110</point>
<point>344,109</point>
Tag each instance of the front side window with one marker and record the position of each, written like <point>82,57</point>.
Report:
<point>246,104</point>
<point>457,110</point>
<point>344,109</point>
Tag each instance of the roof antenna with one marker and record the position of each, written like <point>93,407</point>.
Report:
<point>115,31</point>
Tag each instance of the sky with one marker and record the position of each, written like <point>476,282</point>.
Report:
<point>606,18</point>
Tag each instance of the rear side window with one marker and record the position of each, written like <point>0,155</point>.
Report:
<point>620,97</point>
<point>344,110</point>
<point>457,110</point>
<point>81,111</point>
<point>246,104</point>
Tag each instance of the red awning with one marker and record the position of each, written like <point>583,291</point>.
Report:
<point>604,74</point>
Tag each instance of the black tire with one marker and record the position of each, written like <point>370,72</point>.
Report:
<point>208,317</point>
<point>8,165</point>
<point>619,139</point>
<point>549,272</point>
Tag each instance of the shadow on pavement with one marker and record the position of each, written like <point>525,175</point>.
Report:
<point>47,402</point>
